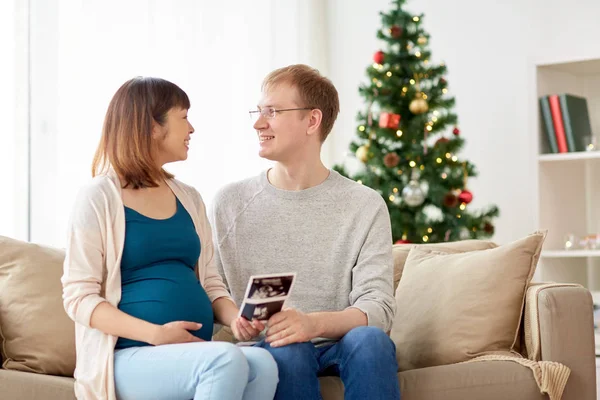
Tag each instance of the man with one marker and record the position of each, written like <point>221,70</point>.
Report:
<point>334,233</point>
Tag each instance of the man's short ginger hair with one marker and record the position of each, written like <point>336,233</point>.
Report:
<point>314,91</point>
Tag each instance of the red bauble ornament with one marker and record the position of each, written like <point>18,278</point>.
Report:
<point>443,81</point>
<point>402,241</point>
<point>456,131</point>
<point>465,197</point>
<point>396,31</point>
<point>389,120</point>
<point>379,57</point>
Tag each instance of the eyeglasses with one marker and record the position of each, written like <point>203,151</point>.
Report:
<point>270,112</point>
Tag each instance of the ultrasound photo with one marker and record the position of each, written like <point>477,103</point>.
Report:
<point>262,311</point>
<point>265,288</point>
<point>266,295</point>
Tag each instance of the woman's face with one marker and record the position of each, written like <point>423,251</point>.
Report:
<point>173,138</point>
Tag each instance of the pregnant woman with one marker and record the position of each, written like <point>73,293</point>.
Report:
<point>139,278</point>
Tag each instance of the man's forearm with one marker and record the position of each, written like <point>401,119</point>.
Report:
<point>334,325</point>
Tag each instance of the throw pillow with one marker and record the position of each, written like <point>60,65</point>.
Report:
<point>401,251</point>
<point>452,307</point>
<point>36,335</point>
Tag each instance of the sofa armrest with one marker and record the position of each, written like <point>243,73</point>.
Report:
<point>566,335</point>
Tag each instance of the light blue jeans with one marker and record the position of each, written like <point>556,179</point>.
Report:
<point>200,370</point>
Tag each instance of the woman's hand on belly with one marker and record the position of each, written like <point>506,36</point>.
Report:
<point>175,332</point>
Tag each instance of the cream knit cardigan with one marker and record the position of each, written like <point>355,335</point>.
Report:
<point>92,273</point>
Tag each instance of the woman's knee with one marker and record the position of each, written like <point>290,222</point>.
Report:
<point>262,364</point>
<point>230,360</point>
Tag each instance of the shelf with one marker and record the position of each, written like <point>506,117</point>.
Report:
<point>581,155</point>
<point>567,185</point>
<point>570,253</point>
<point>578,67</point>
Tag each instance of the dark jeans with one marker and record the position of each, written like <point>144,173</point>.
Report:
<point>365,360</point>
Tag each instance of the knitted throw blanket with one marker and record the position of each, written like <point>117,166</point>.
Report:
<point>551,377</point>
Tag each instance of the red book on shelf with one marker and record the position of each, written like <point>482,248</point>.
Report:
<point>559,127</point>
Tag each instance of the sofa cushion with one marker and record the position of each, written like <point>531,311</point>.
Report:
<point>28,386</point>
<point>35,332</point>
<point>401,251</point>
<point>489,380</point>
<point>454,306</point>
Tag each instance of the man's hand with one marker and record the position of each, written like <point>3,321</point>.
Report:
<point>244,330</point>
<point>291,326</point>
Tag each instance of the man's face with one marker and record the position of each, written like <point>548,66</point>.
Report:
<point>282,134</point>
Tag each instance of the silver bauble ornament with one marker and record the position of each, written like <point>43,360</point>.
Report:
<point>413,194</point>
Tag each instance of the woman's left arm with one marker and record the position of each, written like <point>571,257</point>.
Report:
<point>225,310</point>
<point>213,282</point>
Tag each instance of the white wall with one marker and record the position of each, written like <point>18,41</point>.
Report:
<point>490,49</point>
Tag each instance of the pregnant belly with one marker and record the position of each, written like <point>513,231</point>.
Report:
<point>166,294</point>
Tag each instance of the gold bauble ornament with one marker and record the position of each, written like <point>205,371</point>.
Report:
<point>418,105</point>
<point>362,153</point>
<point>422,40</point>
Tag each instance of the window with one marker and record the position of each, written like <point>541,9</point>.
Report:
<point>218,52</point>
<point>14,115</point>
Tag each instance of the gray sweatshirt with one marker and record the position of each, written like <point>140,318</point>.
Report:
<point>336,236</point>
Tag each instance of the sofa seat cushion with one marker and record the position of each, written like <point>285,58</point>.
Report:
<point>490,380</point>
<point>455,306</point>
<point>29,386</point>
<point>36,335</point>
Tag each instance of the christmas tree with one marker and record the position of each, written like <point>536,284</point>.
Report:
<point>408,140</point>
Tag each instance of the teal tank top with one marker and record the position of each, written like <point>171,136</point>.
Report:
<point>158,280</point>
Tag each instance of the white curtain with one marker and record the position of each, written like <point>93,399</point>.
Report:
<point>14,120</point>
<point>218,52</point>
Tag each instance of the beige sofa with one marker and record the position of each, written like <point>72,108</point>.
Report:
<point>29,275</point>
